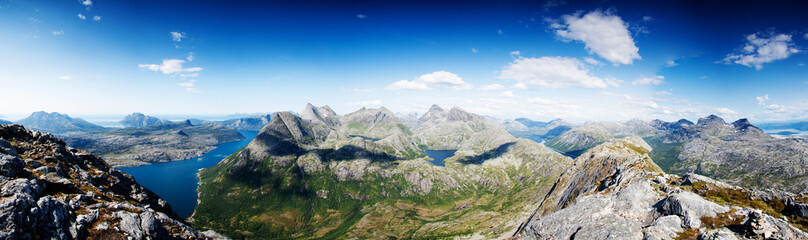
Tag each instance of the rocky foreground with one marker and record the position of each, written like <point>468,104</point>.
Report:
<point>50,191</point>
<point>615,191</point>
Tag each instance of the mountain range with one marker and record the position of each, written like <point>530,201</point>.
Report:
<point>139,120</point>
<point>364,175</point>
<point>57,123</point>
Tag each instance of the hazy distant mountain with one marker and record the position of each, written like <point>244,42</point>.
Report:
<point>4,122</point>
<point>57,123</point>
<point>251,123</point>
<point>156,143</point>
<point>802,125</point>
<point>139,120</point>
<point>579,139</point>
<point>535,130</point>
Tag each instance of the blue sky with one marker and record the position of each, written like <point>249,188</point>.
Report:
<point>593,60</point>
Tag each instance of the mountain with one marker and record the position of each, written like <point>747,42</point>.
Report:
<point>616,190</point>
<point>535,130</point>
<point>579,139</point>
<point>801,125</point>
<point>139,120</point>
<point>249,123</point>
<point>738,153</point>
<point>50,191</point>
<point>57,123</point>
<point>137,146</point>
<point>306,177</point>
<point>311,176</point>
<point>4,122</point>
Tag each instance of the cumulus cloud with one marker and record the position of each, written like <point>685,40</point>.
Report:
<point>87,3</point>
<point>368,103</point>
<point>603,34</point>
<point>170,66</point>
<point>439,79</point>
<point>492,87</point>
<point>726,111</point>
<point>761,100</point>
<point>82,17</point>
<point>552,72</point>
<point>177,36</point>
<point>508,94</point>
<point>761,49</point>
<point>671,63</point>
<point>97,18</point>
<point>592,61</point>
<point>656,80</point>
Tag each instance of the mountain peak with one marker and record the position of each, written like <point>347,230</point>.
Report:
<point>138,119</point>
<point>712,118</point>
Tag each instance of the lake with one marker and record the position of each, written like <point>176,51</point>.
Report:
<point>176,181</point>
<point>439,155</point>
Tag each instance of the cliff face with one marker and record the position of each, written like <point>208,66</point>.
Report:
<point>50,191</point>
<point>616,190</point>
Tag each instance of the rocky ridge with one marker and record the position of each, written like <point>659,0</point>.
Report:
<point>616,191</point>
<point>50,191</point>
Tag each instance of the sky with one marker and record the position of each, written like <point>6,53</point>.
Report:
<point>580,61</point>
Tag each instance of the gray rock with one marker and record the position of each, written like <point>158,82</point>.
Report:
<point>718,234</point>
<point>690,207</point>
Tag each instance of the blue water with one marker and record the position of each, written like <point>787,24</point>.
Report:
<point>439,155</point>
<point>176,181</point>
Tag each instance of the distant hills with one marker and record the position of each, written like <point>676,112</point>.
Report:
<point>57,123</point>
<point>139,120</point>
<point>4,122</point>
<point>802,125</point>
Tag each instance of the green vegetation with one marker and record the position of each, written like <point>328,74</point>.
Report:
<point>665,155</point>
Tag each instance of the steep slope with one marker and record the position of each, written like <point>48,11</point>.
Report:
<point>57,123</point>
<point>738,153</point>
<point>615,191</point>
<point>49,191</point>
<point>156,143</point>
<point>577,140</point>
<point>139,120</point>
<point>306,178</point>
<point>441,129</point>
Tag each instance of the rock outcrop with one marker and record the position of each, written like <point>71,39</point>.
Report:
<point>50,191</point>
<point>57,123</point>
<point>616,191</point>
<point>139,120</point>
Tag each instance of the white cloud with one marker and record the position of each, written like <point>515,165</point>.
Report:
<point>551,72</point>
<point>520,85</point>
<point>726,111</point>
<point>439,79</point>
<point>603,34</point>
<point>671,63</point>
<point>474,50</point>
<point>368,103</point>
<point>499,31</point>
<point>177,36</point>
<point>515,53</point>
<point>65,77</point>
<point>508,94</point>
<point>82,17</point>
<point>759,50</point>
<point>97,18</point>
<point>361,90</point>
<point>761,100</point>
<point>656,80</point>
<point>189,83</point>
<point>663,93</point>
<point>190,56</point>
<point>170,66</point>
<point>592,61</point>
<point>539,100</point>
<point>492,87</point>
<point>60,32</point>
<point>361,16</point>
<point>87,3</point>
